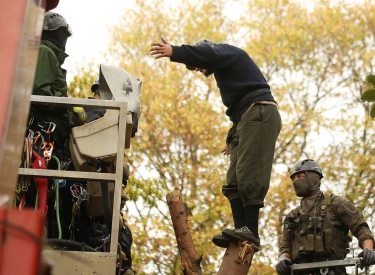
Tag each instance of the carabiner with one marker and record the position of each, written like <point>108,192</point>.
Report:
<point>48,148</point>
<point>39,135</point>
<point>31,134</point>
<point>51,127</point>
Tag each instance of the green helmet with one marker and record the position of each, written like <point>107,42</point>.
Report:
<point>306,165</point>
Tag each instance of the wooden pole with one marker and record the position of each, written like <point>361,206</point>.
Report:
<point>237,259</point>
<point>190,263</point>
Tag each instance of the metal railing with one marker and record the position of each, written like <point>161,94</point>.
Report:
<point>324,267</point>
<point>105,177</point>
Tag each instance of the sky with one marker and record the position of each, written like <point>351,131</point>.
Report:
<point>91,21</point>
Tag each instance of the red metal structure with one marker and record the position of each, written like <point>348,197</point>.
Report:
<point>20,31</point>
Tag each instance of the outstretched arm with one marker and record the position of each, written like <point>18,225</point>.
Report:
<point>162,49</point>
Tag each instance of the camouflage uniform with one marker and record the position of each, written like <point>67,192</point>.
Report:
<point>322,234</point>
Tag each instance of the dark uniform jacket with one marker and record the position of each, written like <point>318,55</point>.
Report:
<point>50,80</point>
<point>322,234</point>
<point>235,72</point>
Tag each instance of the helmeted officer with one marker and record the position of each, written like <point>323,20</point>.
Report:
<point>317,230</point>
<point>50,80</point>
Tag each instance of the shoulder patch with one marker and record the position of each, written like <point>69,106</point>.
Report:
<point>348,207</point>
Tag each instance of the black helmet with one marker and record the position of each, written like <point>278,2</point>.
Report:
<point>306,165</point>
<point>56,29</point>
<point>95,85</point>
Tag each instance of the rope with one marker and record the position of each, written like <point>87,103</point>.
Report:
<point>57,201</point>
<point>69,244</point>
<point>23,183</point>
<point>74,211</point>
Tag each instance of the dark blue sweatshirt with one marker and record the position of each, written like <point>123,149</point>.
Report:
<point>235,72</point>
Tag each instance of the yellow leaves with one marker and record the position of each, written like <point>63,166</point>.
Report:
<point>312,53</point>
<point>80,86</point>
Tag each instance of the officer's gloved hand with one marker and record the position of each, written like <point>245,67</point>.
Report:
<point>368,257</point>
<point>80,117</point>
<point>283,266</point>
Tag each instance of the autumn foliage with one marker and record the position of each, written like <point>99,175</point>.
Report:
<point>314,54</point>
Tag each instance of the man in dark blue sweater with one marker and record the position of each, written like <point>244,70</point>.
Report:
<point>256,126</point>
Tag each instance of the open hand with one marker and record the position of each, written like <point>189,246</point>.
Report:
<point>163,49</point>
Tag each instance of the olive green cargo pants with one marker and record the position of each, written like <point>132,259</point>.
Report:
<point>252,154</point>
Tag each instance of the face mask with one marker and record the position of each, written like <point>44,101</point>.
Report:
<point>301,187</point>
<point>58,37</point>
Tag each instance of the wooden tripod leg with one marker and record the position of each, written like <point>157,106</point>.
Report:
<point>190,263</point>
<point>237,259</point>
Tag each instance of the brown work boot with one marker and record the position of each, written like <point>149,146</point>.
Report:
<point>220,241</point>
<point>241,234</point>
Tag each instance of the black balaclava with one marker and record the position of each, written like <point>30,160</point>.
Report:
<point>57,37</point>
